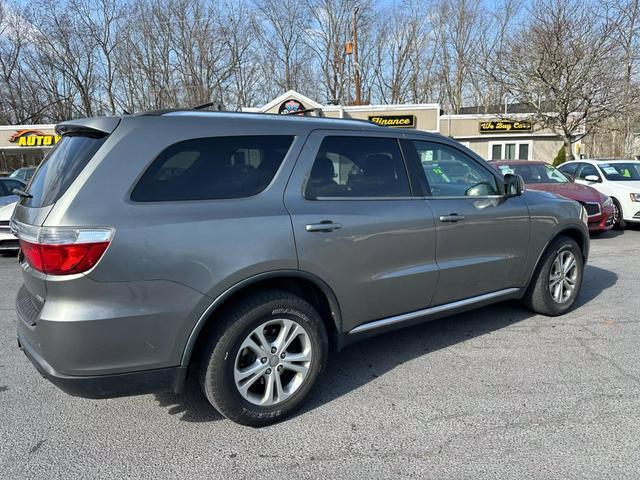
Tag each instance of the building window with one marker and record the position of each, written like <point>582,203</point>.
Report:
<point>514,150</point>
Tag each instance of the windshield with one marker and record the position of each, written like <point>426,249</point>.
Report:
<point>621,172</point>
<point>60,168</point>
<point>535,173</point>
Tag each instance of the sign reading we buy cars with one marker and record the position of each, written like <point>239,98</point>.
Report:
<point>505,126</point>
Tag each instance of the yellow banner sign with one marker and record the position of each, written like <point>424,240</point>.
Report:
<point>398,121</point>
<point>33,138</point>
<point>505,126</point>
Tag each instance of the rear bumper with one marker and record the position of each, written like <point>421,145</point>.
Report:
<point>108,386</point>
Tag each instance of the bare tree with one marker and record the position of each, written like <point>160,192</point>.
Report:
<point>281,27</point>
<point>627,31</point>
<point>564,65</point>
<point>457,28</point>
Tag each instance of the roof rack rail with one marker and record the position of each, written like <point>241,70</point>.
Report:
<point>164,111</point>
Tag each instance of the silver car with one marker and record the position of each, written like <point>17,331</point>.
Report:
<point>238,250</point>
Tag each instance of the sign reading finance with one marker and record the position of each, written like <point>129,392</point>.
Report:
<point>398,121</point>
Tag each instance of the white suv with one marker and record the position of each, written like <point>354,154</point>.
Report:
<point>619,179</point>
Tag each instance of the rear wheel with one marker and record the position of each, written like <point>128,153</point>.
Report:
<point>557,280</point>
<point>264,358</point>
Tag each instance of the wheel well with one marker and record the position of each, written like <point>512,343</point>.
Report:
<point>576,235</point>
<point>299,286</point>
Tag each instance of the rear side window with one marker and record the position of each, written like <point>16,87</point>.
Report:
<point>213,168</point>
<point>358,167</point>
<point>60,168</point>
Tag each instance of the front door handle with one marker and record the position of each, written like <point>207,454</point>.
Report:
<point>324,226</point>
<point>453,218</point>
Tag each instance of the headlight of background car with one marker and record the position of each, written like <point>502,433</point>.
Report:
<point>608,202</point>
<point>635,197</point>
<point>584,216</point>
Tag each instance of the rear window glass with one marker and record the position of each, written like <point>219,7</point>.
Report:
<point>60,168</point>
<point>358,167</point>
<point>213,168</point>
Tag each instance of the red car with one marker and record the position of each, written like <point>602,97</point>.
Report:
<point>542,176</point>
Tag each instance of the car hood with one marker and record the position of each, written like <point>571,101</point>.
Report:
<point>6,211</point>
<point>574,191</point>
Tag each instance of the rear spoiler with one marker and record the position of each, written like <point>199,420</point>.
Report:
<point>95,125</point>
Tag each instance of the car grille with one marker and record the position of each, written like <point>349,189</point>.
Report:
<point>28,306</point>
<point>592,208</point>
<point>4,226</point>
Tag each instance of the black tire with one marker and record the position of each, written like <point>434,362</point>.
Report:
<point>218,360</point>
<point>538,296</point>
<point>620,224</point>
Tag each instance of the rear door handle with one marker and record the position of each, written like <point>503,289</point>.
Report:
<point>453,218</point>
<point>324,226</point>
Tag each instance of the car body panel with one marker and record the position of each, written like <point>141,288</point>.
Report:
<point>499,228</point>
<point>170,265</point>
<point>384,251</point>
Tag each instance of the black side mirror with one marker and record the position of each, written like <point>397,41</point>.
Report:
<point>513,185</point>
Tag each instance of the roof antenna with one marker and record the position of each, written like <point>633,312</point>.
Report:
<point>124,112</point>
<point>203,106</point>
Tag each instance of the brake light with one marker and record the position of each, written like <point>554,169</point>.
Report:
<point>62,250</point>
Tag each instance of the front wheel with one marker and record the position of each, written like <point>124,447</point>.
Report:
<point>618,219</point>
<point>266,355</point>
<point>557,280</point>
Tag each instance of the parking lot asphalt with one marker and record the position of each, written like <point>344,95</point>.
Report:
<point>495,393</point>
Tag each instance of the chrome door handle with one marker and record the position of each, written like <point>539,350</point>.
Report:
<point>453,218</point>
<point>324,226</point>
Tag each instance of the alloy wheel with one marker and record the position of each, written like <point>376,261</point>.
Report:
<point>273,361</point>
<point>616,214</point>
<point>563,276</point>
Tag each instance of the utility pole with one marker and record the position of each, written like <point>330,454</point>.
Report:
<point>356,65</point>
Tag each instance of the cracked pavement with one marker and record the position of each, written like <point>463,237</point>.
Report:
<point>494,393</point>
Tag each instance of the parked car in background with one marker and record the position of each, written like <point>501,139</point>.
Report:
<point>23,174</point>
<point>542,176</point>
<point>619,179</point>
<point>6,189</point>
<point>296,235</point>
<point>8,241</point>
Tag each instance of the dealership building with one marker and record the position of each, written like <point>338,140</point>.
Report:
<point>502,135</point>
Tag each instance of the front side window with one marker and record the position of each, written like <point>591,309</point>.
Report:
<point>213,168</point>
<point>358,167</point>
<point>621,172</point>
<point>586,170</point>
<point>451,173</point>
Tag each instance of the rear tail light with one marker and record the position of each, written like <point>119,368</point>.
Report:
<point>62,250</point>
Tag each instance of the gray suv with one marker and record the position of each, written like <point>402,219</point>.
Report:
<point>239,249</point>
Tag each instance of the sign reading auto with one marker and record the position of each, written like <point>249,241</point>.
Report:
<point>400,121</point>
<point>33,138</point>
<point>505,126</point>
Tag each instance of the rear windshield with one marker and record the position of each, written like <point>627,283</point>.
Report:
<point>213,168</point>
<point>60,168</point>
